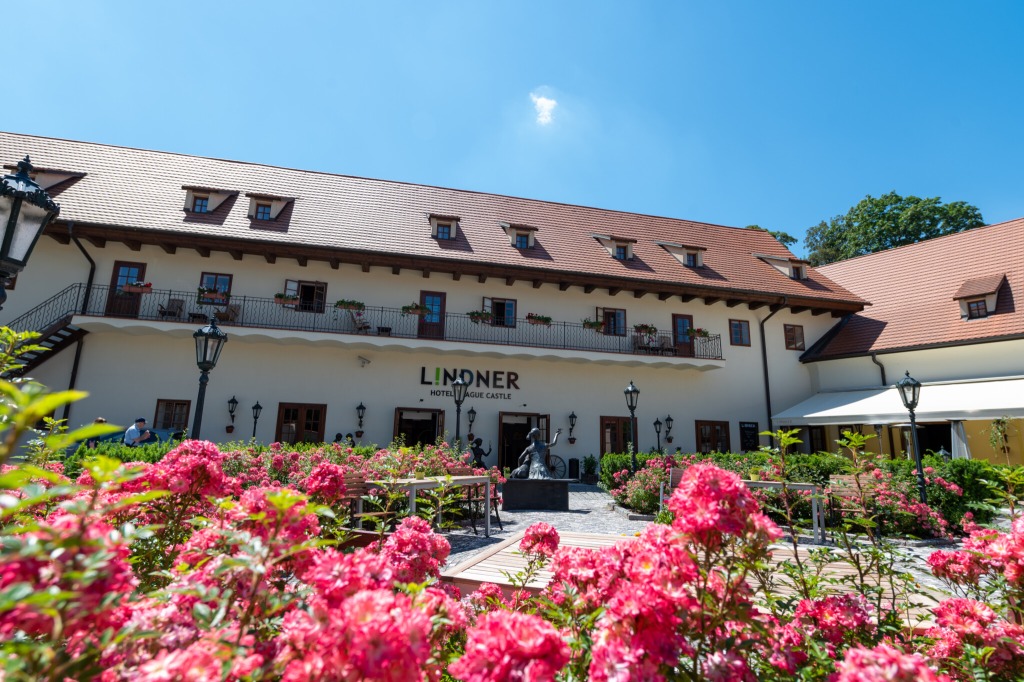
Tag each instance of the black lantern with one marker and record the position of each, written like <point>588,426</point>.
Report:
<point>25,211</point>
<point>210,341</point>
<point>471,416</point>
<point>668,428</point>
<point>256,410</point>
<point>657,430</point>
<point>459,389</point>
<point>632,393</point>
<point>232,406</point>
<point>910,391</point>
<point>360,412</point>
<point>572,422</point>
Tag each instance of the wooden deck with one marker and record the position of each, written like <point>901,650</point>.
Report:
<point>496,563</point>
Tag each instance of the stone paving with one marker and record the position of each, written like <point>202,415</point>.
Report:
<point>589,512</point>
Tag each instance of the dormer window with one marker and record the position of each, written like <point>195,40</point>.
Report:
<point>444,227</point>
<point>266,207</point>
<point>48,178</point>
<point>619,248</point>
<point>978,297</point>
<point>520,237</point>
<point>794,268</point>
<point>205,199</point>
<point>689,255</point>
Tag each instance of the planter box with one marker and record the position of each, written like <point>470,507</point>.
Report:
<point>541,322</point>
<point>286,301</point>
<point>349,307</point>
<point>215,296</point>
<point>132,289</point>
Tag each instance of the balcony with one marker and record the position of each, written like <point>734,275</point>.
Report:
<point>374,326</point>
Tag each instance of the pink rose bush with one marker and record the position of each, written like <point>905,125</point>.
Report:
<point>212,565</point>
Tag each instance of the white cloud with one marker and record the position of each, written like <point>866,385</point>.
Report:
<point>545,106</point>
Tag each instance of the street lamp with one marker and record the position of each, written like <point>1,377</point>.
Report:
<point>910,391</point>
<point>209,342</point>
<point>360,412</point>
<point>471,416</point>
<point>572,422</point>
<point>668,428</point>
<point>632,393</point>
<point>256,410</point>
<point>459,388</point>
<point>25,211</point>
<point>232,406</point>
<point>657,430</point>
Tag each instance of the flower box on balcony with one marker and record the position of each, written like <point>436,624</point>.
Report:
<point>415,309</point>
<point>346,304</point>
<point>212,296</point>
<point>593,325</point>
<point>137,288</point>
<point>283,299</point>
<point>644,329</point>
<point>534,318</point>
<point>699,332</point>
<point>478,316</point>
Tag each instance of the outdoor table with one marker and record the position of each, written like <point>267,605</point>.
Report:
<point>817,509</point>
<point>414,485</point>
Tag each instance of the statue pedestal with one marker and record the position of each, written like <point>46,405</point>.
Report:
<point>524,493</point>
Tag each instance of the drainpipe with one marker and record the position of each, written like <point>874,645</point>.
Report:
<point>764,362</point>
<point>92,268</point>
<point>881,367</point>
<point>74,376</point>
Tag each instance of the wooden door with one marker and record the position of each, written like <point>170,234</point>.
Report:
<point>431,324</point>
<point>616,434</point>
<point>513,428</point>
<point>119,302</point>
<point>682,339</point>
<point>712,436</point>
<point>300,423</point>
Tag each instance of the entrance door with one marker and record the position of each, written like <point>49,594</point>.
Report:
<point>512,430</point>
<point>616,434</point>
<point>712,436</point>
<point>119,302</point>
<point>300,423</point>
<point>431,325</point>
<point>416,426</point>
<point>681,337</point>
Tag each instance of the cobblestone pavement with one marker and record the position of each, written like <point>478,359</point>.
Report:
<point>589,512</point>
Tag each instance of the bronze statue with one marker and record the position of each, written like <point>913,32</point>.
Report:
<point>533,463</point>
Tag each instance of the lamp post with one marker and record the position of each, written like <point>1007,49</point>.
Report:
<point>25,211</point>
<point>657,430</point>
<point>256,410</point>
<point>632,393</point>
<point>210,341</point>
<point>459,389</point>
<point>910,391</point>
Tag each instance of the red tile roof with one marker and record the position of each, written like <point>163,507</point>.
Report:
<point>141,190</point>
<point>912,291</point>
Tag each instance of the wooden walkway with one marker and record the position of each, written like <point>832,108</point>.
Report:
<point>496,563</point>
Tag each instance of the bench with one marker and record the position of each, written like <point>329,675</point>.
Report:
<point>845,495</point>
<point>356,488</point>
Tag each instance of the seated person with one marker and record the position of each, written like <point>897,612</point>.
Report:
<point>137,434</point>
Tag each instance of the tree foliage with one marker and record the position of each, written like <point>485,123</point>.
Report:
<point>877,224</point>
<point>784,238</point>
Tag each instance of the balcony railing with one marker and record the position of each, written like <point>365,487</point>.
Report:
<point>256,312</point>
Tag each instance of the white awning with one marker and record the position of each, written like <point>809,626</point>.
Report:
<point>964,400</point>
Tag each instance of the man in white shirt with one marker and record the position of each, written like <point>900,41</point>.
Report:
<point>138,433</point>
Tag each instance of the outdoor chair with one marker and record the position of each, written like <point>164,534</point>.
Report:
<point>845,497</point>
<point>174,308</point>
<point>229,314</point>
<point>642,345</point>
<point>359,323</point>
<point>355,489</point>
<point>476,498</point>
<point>666,346</point>
<point>674,477</point>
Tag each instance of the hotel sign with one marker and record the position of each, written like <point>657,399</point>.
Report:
<point>485,384</point>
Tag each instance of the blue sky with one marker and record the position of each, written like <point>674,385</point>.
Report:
<point>775,113</point>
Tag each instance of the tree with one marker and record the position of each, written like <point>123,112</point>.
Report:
<point>785,238</point>
<point>885,223</point>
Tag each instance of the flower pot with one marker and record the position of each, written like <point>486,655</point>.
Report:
<point>282,301</point>
<point>132,289</point>
<point>213,296</point>
<point>359,434</point>
<point>230,428</point>
<point>572,440</point>
<point>543,322</point>
<point>418,475</point>
<point>753,476</point>
<point>669,439</point>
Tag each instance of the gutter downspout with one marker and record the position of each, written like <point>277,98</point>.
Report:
<point>764,362</point>
<point>881,367</point>
<point>73,380</point>
<point>92,267</point>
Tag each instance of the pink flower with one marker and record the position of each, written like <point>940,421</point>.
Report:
<point>506,645</point>
<point>540,539</point>
<point>326,482</point>
<point>711,503</point>
<point>415,551</point>
<point>884,664</point>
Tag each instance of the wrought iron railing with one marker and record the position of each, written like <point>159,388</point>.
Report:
<point>266,313</point>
